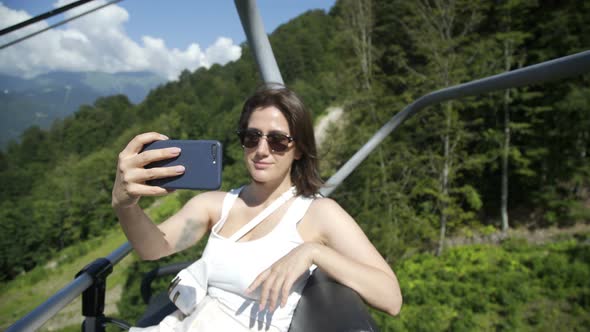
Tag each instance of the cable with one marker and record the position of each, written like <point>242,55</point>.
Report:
<point>43,16</point>
<point>57,24</point>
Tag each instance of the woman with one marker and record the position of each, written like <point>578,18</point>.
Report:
<point>255,278</point>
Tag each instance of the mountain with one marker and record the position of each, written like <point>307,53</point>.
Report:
<point>45,98</point>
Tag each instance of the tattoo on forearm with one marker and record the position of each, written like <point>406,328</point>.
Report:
<point>187,234</point>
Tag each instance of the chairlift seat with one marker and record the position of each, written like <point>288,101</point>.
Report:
<point>325,305</point>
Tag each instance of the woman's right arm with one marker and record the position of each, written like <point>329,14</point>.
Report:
<point>180,231</point>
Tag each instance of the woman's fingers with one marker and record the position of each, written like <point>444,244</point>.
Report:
<point>275,291</point>
<point>286,289</point>
<point>266,285</point>
<point>140,175</point>
<point>137,189</point>
<point>136,144</point>
<point>275,286</point>
<point>130,178</point>
<point>261,277</point>
<point>277,281</point>
<point>150,156</point>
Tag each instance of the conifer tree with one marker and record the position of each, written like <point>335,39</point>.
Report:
<point>511,39</point>
<point>442,32</point>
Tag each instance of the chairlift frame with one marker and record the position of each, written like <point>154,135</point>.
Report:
<point>91,281</point>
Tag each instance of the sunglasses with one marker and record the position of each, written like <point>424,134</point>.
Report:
<point>278,142</point>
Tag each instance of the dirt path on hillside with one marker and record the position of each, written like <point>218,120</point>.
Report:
<point>333,115</point>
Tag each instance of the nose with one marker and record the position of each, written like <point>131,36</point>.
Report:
<point>263,148</point>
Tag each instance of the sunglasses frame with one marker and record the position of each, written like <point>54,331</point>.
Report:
<point>242,133</point>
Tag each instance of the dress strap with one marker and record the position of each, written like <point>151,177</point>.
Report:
<point>298,210</point>
<point>264,214</point>
<point>228,202</point>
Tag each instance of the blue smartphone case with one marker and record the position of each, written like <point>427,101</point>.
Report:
<point>202,160</point>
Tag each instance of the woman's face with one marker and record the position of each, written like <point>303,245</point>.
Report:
<point>264,164</point>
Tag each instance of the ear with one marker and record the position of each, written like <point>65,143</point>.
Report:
<point>297,154</point>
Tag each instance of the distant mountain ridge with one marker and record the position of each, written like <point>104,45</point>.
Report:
<point>43,99</point>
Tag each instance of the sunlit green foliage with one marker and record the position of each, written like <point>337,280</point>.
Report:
<point>513,287</point>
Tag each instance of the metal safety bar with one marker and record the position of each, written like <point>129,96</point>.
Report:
<point>45,311</point>
<point>552,70</point>
<point>258,40</point>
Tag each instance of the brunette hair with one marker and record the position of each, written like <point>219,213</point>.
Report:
<point>304,171</point>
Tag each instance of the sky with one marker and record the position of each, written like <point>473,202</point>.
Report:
<point>163,36</point>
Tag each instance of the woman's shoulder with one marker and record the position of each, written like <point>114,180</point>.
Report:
<point>324,209</point>
<point>323,217</point>
<point>208,199</point>
<point>320,203</point>
<point>213,196</point>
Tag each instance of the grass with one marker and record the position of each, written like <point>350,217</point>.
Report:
<point>20,296</point>
<point>23,294</point>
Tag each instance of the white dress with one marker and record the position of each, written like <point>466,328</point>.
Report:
<point>231,267</point>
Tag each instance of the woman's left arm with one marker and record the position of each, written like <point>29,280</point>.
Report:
<point>346,254</point>
<point>343,251</point>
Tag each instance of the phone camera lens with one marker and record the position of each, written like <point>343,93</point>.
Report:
<point>214,153</point>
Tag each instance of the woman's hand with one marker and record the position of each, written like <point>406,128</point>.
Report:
<point>131,176</point>
<point>278,279</point>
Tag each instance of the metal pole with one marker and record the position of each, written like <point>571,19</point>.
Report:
<point>552,70</point>
<point>258,41</point>
<point>36,318</point>
<point>120,253</point>
<point>45,311</point>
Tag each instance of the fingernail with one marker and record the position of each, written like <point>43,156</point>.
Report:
<point>175,150</point>
<point>179,169</point>
<point>164,137</point>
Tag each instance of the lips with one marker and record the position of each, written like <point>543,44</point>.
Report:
<point>261,165</point>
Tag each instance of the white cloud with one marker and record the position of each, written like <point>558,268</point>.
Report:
<point>98,42</point>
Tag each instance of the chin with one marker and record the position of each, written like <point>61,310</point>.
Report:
<point>271,174</point>
<point>263,176</point>
<point>260,178</point>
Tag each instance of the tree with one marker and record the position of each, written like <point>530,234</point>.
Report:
<point>442,33</point>
<point>359,22</point>
<point>511,38</point>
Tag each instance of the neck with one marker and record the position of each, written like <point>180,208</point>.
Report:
<point>264,192</point>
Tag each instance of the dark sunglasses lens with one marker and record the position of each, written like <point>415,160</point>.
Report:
<point>278,142</point>
<point>250,138</point>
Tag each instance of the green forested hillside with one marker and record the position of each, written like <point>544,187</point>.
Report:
<point>516,158</point>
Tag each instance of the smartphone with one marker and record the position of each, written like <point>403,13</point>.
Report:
<point>202,160</point>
